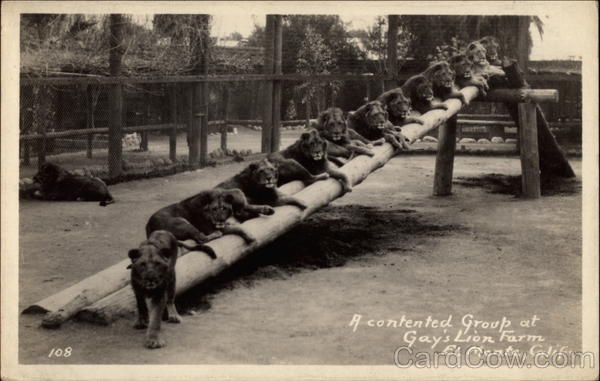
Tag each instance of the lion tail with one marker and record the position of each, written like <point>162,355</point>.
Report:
<point>207,249</point>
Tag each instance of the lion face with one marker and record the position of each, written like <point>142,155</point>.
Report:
<point>264,174</point>
<point>491,46</point>
<point>49,174</point>
<point>333,124</point>
<point>399,106</point>
<point>149,268</point>
<point>424,91</point>
<point>442,75</point>
<point>313,146</point>
<point>376,115</point>
<point>461,66</point>
<point>217,211</point>
<point>476,53</point>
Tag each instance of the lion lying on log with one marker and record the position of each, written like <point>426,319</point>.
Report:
<point>308,155</point>
<point>258,181</point>
<point>371,121</point>
<point>203,217</point>
<point>342,141</point>
<point>399,107</point>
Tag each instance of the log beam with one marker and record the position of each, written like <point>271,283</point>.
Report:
<point>111,297</point>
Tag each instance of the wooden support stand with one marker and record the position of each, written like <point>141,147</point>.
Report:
<point>444,162</point>
<point>173,116</point>
<point>530,160</point>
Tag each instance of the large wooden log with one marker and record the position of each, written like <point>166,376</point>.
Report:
<point>114,298</point>
<point>107,294</point>
<point>196,267</point>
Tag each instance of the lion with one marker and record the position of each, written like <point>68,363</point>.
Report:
<point>477,54</point>
<point>307,154</point>
<point>343,141</point>
<point>371,121</point>
<point>153,280</point>
<point>399,107</point>
<point>258,181</point>
<point>420,91</point>
<point>491,46</point>
<point>203,217</point>
<point>58,184</point>
<point>442,78</point>
<point>464,74</point>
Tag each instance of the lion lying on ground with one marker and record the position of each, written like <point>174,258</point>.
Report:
<point>153,282</point>
<point>58,184</point>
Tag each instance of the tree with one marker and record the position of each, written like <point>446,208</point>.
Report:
<point>433,31</point>
<point>314,58</point>
<point>257,37</point>
<point>235,36</point>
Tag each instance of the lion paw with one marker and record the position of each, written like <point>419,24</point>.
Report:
<point>140,324</point>
<point>267,210</point>
<point>175,319</point>
<point>154,343</point>
<point>370,145</point>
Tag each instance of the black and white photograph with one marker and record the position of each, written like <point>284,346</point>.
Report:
<point>299,190</point>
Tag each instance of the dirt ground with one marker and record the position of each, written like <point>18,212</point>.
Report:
<point>385,250</point>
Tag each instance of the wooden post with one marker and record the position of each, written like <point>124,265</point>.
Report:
<point>196,113</point>
<point>392,52</point>
<point>146,100</point>
<point>530,161</point>
<point>204,105</point>
<point>27,111</point>
<point>522,40</point>
<point>115,99</point>
<point>444,161</point>
<point>277,85</point>
<point>268,86</point>
<point>89,117</point>
<point>41,126</point>
<point>307,114</point>
<point>225,117</point>
<point>173,117</point>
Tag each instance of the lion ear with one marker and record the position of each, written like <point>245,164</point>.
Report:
<point>305,136</point>
<point>134,254</point>
<point>253,167</point>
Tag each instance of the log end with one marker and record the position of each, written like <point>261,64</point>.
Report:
<point>53,320</point>
<point>34,309</point>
